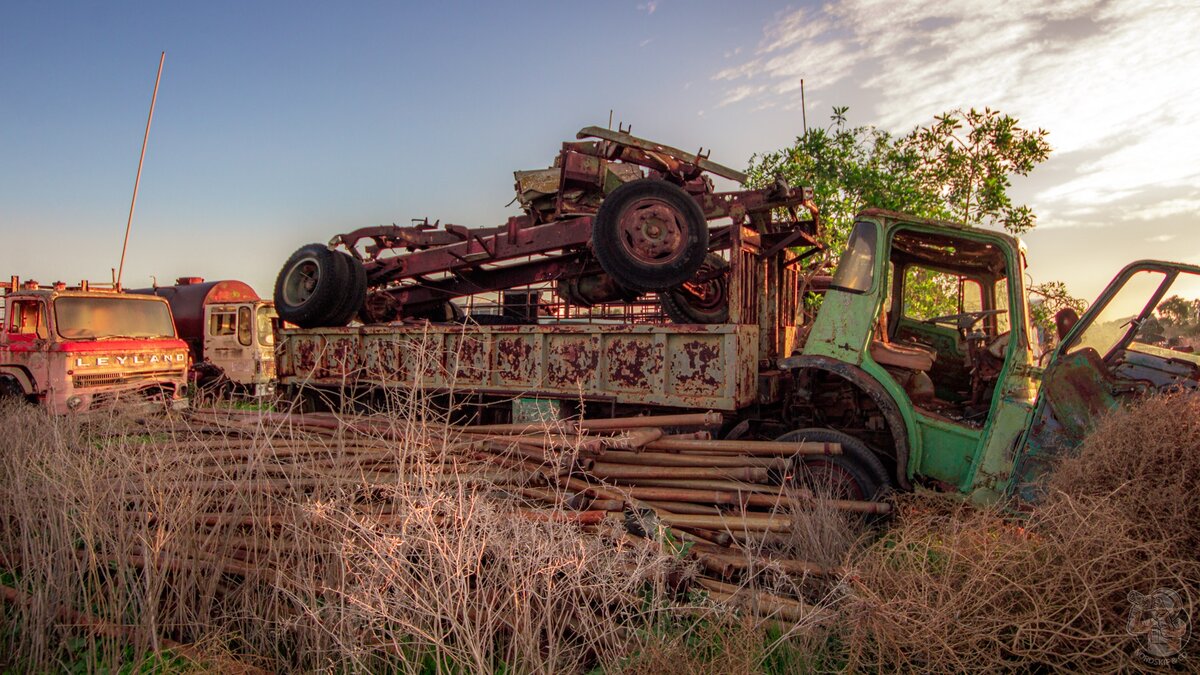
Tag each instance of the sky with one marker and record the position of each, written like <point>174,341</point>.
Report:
<point>280,124</point>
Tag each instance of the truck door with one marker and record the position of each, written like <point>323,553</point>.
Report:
<point>25,340</point>
<point>27,322</point>
<point>1141,336</point>
<point>265,323</point>
<point>220,338</point>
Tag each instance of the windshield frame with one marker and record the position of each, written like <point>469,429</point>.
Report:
<point>1171,273</point>
<point>59,323</point>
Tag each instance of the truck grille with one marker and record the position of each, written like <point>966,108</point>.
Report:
<point>111,379</point>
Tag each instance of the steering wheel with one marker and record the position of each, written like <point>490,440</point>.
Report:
<point>966,320</point>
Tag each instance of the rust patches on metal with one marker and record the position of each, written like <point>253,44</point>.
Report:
<point>515,359</point>
<point>572,361</point>
<point>697,367</point>
<point>466,356</point>
<point>340,356</point>
<point>306,354</point>
<point>633,363</point>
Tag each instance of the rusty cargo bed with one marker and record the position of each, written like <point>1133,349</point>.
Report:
<point>688,366</point>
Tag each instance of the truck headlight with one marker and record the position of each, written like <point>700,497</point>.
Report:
<point>74,402</point>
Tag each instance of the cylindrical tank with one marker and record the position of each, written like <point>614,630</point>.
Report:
<point>189,296</point>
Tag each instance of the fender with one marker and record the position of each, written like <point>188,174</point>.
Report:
<point>22,377</point>
<point>897,422</point>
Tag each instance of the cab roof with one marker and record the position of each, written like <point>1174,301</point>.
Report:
<point>959,246</point>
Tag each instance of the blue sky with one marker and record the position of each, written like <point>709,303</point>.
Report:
<point>279,124</point>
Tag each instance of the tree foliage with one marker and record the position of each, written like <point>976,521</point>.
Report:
<point>1179,311</point>
<point>956,168</point>
<point>1054,297</point>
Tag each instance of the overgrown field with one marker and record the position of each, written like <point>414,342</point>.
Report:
<point>111,560</point>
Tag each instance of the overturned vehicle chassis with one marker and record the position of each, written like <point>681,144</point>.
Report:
<point>640,285</point>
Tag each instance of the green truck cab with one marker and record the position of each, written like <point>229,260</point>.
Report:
<point>957,400</point>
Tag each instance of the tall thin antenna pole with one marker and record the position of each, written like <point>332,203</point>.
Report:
<point>803,107</point>
<point>137,181</point>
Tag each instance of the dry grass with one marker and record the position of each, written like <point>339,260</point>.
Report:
<point>106,516</point>
<point>1146,463</point>
<point>951,589</point>
<point>100,516</point>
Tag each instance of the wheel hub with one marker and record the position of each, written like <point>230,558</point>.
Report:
<point>301,281</point>
<point>651,231</point>
<point>830,479</point>
<point>707,294</point>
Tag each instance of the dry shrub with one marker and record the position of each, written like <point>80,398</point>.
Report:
<point>823,534</point>
<point>1145,461</point>
<point>953,588</point>
<point>464,583</point>
<point>97,515</point>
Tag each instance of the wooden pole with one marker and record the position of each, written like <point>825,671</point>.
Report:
<point>137,181</point>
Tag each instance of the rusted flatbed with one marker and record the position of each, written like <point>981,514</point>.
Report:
<point>610,314</point>
<point>688,366</point>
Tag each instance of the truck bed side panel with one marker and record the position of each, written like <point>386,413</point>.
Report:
<point>679,366</point>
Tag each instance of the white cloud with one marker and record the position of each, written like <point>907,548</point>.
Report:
<point>1173,207</point>
<point>1111,80</point>
<point>740,94</point>
<point>648,7</point>
<point>645,42</point>
<point>1160,239</point>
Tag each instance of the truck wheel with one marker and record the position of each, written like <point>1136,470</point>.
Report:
<point>855,474</point>
<point>309,288</point>
<point>650,235</point>
<point>10,390</point>
<point>703,302</point>
<point>356,293</point>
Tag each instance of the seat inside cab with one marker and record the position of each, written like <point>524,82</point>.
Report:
<point>943,334</point>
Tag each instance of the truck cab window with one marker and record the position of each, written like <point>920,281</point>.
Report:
<point>856,269</point>
<point>222,323</point>
<point>929,294</point>
<point>1122,314</point>
<point>1000,293</point>
<point>244,326</point>
<point>28,319</point>
<point>266,326</point>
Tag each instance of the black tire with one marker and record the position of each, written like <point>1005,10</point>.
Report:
<point>855,474</point>
<point>356,293</point>
<point>649,235</point>
<point>684,306</point>
<point>310,286</point>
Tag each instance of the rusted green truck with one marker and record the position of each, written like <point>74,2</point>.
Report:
<point>958,402</point>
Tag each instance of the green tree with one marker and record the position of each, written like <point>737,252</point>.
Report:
<point>1177,311</point>
<point>1054,297</point>
<point>956,168</point>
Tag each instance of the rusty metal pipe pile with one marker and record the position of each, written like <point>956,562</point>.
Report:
<point>657,478</point>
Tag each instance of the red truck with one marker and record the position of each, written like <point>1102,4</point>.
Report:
<point>229,330</point>
<point>83,347</point>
